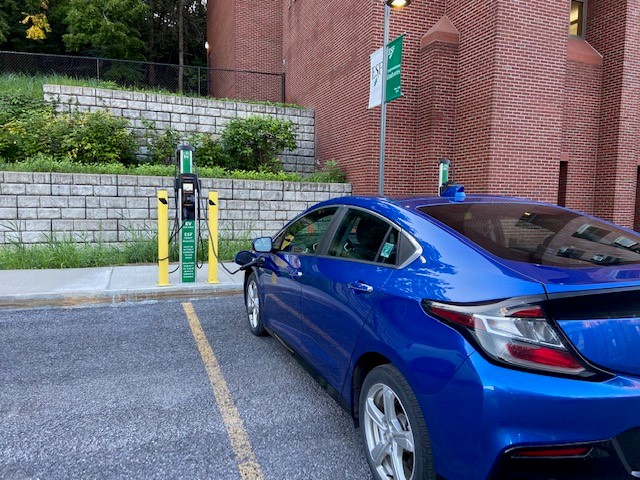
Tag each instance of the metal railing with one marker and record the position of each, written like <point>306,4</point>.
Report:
<point>221,83</point>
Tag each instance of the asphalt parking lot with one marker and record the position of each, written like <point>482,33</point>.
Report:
<point>162,390</point>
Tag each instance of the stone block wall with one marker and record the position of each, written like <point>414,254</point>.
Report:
<point>113,208</point>
<point>188,115</point>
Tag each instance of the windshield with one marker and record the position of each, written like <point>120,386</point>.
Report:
<point>540,234</point>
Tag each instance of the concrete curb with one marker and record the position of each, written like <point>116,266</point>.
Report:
<point>74,299</point>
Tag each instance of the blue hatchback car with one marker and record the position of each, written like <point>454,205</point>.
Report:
<point>486,338</point>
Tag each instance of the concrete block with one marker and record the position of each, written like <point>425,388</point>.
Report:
<point>10,213</point>
<point>28,201</point>
<point>272,195</point>
<point>137,202</point>
<point>96,213</point>
<point>108,179</point>
<point>150,181</point>
<point>54,202</point>
<point>92,202</point>
<point>105,191</point>
<point>8,201</point>
<point>77,202</point>
<point>106,236</point>
<point>18,177</point>
<point>137,105</point>
<point>186,109</point>
<point>112,202</point>
<point>41,177</point>
<point>38,225</point>
<point>34,237</point>
<point>126,191</point>
<point>75,213</point>
<point>82,190</point>
<point>43,213</point>
<point>127,180</point>
<point>61,225</point>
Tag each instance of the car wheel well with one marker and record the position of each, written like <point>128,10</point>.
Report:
<point>365,364</point>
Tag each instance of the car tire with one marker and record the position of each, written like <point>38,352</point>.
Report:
<point>394,433</point>
<point>253,303</point>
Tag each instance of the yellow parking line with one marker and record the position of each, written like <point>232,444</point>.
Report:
<point>247,463</point>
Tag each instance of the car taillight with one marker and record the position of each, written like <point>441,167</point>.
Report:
<point>512,332</point>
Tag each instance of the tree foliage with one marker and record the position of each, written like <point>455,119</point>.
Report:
<point>128,29</point>
<point>110,28</point>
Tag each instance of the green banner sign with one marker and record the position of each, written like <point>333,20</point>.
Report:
<point>188,252</point>
<point>394,67</point>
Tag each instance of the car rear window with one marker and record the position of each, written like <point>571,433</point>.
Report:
<point>540,234</point>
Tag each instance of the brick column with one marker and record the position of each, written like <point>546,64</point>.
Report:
<point>612,29</point>
<point>437,101</point>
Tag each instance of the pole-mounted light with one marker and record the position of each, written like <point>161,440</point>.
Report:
<point>388,5</point>
<point>398,3</point>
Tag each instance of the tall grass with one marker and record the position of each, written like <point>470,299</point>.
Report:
<point>27,85</point>
<point>67,252</point>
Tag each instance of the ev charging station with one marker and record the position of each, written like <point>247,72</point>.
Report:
<point>186,225</point>
<point>446,187</point>
<point>187,188</point>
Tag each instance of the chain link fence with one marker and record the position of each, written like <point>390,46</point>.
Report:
<point>191,80</point>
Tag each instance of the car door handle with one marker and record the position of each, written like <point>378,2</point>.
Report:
<point>360,287</point>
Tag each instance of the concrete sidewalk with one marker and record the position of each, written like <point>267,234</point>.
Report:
<point>78,286</point>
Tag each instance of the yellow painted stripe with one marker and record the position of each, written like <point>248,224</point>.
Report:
<point>247,463</point>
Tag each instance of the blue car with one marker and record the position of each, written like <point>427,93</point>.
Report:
<point>488,338</point>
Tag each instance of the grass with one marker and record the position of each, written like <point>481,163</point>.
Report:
<point>46,163</point>
<point>69,253</point>
<point>18,83</point>
<point>26,85</point>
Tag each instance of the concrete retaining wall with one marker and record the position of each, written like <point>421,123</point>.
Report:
<point>188,115</point>
<point>113,208</point>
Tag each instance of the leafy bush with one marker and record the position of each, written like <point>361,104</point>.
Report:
<point>210,153</point>
<point>331,173</point>
<point>254,142</point>
<point>95,137</point>
<point>161,144</point>
<point>48,163</point>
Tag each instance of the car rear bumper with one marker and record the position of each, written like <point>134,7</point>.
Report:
<point>479,422</point>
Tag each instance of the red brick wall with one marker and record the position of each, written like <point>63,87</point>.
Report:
<point>246,36</point>
<point>612,29</point>
<point>436,108</point>
<point>336,48</point>
<point>580,133</point>
<point>507,104</point>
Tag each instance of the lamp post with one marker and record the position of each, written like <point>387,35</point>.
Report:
<point>206,46</point>
<point>388,4</point>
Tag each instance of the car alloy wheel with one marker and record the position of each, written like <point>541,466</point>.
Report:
<point>254,307</point>
<point>394,434</point>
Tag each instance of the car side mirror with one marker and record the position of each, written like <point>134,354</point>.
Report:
<point>263,244</point>
<point>247,259</point>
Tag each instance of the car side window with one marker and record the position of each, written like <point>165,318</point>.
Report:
<point>305,234</point>
<point>363,236</point>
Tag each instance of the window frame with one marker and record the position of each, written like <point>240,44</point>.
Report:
<point>277,242</point>
<point>581,27</point>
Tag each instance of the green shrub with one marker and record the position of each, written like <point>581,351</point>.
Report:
<point>331,173</point>
<point>98,137</point>
<point>253,142</point>
<point>210,153</point>
<point>95,137</point>
<point>161,144</point>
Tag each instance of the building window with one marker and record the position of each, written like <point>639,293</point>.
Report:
<point>562,184</point>
<point>577,17</point>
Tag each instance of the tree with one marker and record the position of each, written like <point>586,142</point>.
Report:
<point>110,28</point>
<point>38,22</point>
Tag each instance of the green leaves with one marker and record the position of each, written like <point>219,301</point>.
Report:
<point>254,142</point>
<point>111,27</point>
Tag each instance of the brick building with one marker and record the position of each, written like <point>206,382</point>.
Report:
<point>536,99</point>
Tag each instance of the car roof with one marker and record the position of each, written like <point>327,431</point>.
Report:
<point>413,203</point>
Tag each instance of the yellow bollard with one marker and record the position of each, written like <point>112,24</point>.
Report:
<point>213,237</point>
<point>163,238</point>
